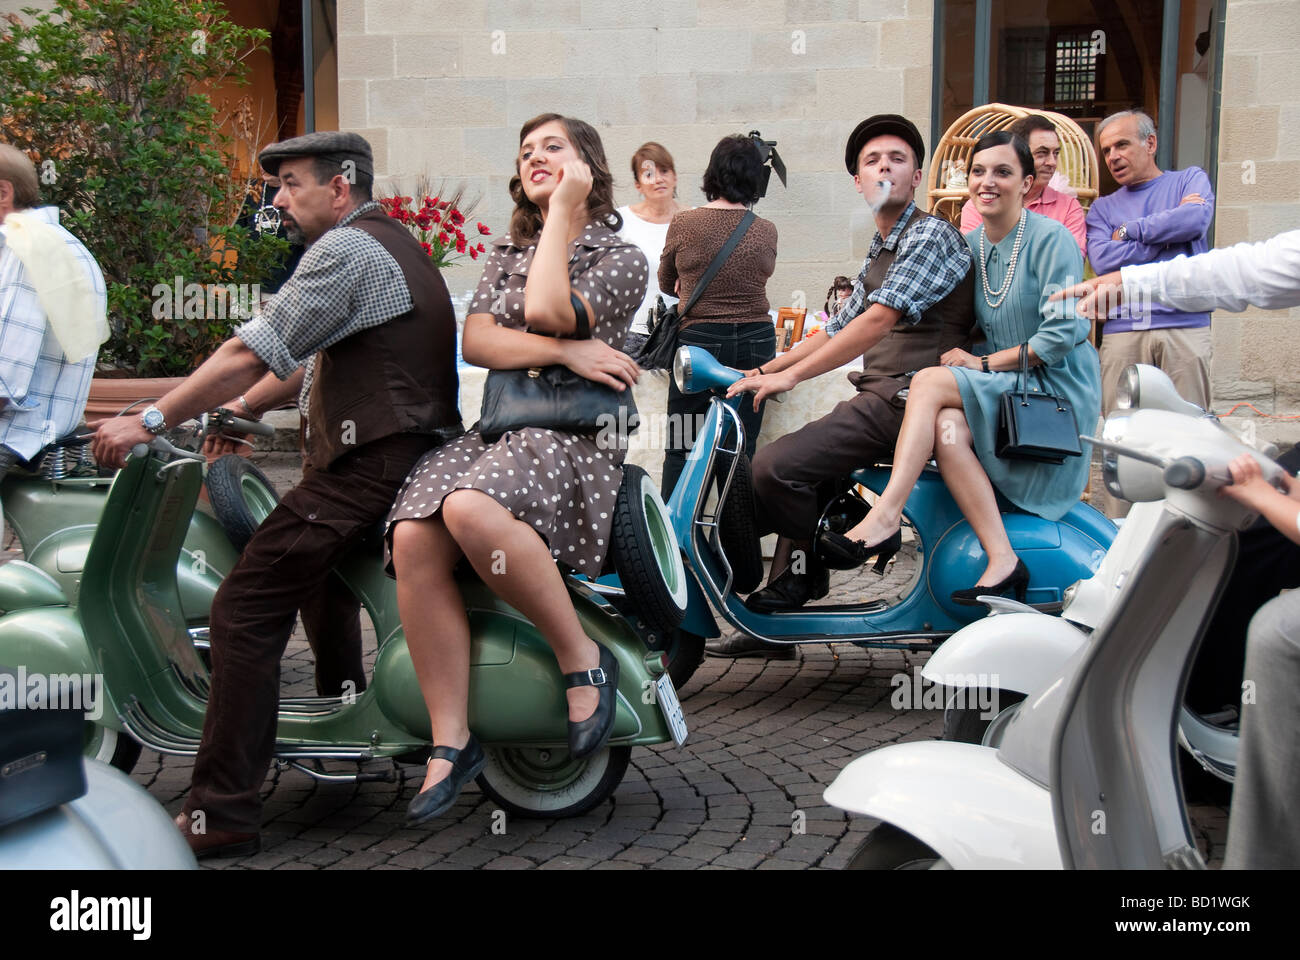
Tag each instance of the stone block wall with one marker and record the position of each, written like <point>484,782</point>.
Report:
<point>443,88</point>
<point>1257,353</point>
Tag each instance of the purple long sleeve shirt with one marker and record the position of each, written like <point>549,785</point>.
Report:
<point>1159,228</point>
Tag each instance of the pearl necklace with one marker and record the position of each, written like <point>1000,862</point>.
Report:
<point>1001,292</point>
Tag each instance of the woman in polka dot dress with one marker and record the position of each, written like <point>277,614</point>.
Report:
<point>536,495</point>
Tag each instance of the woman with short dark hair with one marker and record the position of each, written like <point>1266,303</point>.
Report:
<point>646,224</point>
<point>731,318</point>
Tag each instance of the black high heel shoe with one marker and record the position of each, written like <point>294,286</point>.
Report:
<point>840,553</point>
<point>1018,580</point>
<point>588,736</point>
<point>466,764</point>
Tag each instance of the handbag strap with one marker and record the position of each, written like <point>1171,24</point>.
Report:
<point>581,322</point>
<point>719,259</point>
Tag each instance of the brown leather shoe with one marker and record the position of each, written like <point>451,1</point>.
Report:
<point>217,843</point>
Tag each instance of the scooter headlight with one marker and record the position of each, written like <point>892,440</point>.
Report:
<point>1128,392</point>
<point>682,369</point>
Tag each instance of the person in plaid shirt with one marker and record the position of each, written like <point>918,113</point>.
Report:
<point>912,300</point>
<point>43,382</point>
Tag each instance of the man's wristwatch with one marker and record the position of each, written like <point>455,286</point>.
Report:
<point>1123,231</point>
<point>984,362</point>
<point>153,420</point>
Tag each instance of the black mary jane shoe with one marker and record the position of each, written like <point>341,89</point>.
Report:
<point>588,736</point>
<point>466,764</point>
<point>791,590</point>
<point>840,553</point>
<point>1018,581</point>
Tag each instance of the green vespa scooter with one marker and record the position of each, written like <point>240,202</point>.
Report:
<point>127,629</point>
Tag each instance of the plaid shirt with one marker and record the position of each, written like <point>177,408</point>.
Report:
<point>45,394</point>
<point>930,261</point>
<point>345,282</point>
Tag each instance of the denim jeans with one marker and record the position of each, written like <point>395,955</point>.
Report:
<point>740,345</point>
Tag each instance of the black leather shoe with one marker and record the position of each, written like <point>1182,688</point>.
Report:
<point>791,590</point>
<point>217,843</point>
<point>466,764</point>
<point>742,645</point>
<point>840,553</point>
<point>1018,581</point>
<point>588,736</point>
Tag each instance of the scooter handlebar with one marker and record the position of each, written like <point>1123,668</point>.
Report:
<point>226,420</point>
<point>163,445</point>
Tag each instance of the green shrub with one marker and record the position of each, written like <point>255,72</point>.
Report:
<point>109,98</point>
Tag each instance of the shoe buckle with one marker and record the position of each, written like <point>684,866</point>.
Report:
<point>596,677</point>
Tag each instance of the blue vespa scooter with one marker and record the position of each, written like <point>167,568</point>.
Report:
<point>949,555</point>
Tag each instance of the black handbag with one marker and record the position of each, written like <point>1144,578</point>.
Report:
<point>1035,426</point>
<point>657,352</point>
<point>556,398</point>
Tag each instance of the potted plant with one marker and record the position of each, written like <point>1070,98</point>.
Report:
<point>110,99</point>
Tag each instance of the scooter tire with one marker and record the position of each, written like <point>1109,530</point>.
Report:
<point>646,555</point>
<point>738,529</point>
<point>111,747</point>
<point>534,783</point>
<point>241,496</point>
<point>889,848</point>
<point>968,724</point>
<point>685,654</point>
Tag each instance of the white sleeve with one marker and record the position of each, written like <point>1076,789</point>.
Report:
<point>1263,274</point>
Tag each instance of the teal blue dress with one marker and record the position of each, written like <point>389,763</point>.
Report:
<point>1049,260</point>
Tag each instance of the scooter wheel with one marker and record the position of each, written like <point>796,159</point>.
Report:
<point>241,497</point>
<point>889,848</point>
<point>646,555</point>
<point>738,528</point>
<point>548,783</point>
<point>111,747</point>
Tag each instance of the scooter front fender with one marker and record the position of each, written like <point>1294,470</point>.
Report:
<point>1018,652</point>
<point>957,798</point>
<point>50,641</point>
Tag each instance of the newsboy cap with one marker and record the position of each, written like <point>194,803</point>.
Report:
<point>879,125</point>
<point>333,145</point>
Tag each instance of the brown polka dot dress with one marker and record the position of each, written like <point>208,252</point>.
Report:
<point>561,484</point>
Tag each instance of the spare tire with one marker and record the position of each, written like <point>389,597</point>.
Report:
<point>646,555</point>
<point>241,497</point>
<point>738,527</point>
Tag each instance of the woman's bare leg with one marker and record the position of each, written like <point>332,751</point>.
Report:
<point>932,389</point>
<point>970,487</point>
<point>517,566</point>
<point>437,630</point>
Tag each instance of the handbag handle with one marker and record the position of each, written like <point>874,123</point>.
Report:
<point>1024,380</point>
<point>719,259</point>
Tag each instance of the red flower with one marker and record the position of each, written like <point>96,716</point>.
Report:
<point>481,248</point>
<point>443,238</point>
<point>436,217</point>
<point>473,253</point>
<point>428,248</point>
<point>434,202</point>
<point>460,244</point>
<point>456,216</point>
<point>482,228</point>
<point>422,221</point>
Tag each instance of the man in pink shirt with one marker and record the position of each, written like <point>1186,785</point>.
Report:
<point>1037,131</point>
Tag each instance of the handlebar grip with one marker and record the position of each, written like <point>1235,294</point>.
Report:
<point>1185,473</point>
<point>140,450</point>
<point>255,427</point>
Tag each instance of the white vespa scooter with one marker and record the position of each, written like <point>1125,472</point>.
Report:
<point>1024,648</point>
<point>1085,772</point>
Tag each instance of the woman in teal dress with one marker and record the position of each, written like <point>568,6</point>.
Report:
<point>1021,258</point>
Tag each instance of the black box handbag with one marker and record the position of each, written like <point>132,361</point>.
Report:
<point>1033,425</point>
<point>658,350</point>
<point>556,398</point>
<point>40,752</point>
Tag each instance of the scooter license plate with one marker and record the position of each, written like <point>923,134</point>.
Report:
<point>671,708</point>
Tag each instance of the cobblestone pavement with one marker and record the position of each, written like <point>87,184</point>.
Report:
<point>745,791</point>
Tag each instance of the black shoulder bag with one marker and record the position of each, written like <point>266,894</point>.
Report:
<point>1035,426</point>
<point>556,398</point>
<point>657,352</point>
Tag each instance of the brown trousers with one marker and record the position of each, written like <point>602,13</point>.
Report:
<point>797,475</point>
<point>286,563</point>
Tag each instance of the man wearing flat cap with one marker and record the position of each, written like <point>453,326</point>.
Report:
<point>363,333</point>
<point>912,301</point>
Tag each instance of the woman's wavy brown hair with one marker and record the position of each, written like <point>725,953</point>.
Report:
<point>526,222</point>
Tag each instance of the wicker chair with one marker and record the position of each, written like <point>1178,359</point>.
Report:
<point>1078,156</point>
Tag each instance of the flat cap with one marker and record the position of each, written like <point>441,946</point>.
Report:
<point>333,145</point>
<point>880,124</point>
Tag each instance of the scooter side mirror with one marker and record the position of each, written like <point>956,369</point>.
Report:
<point>696,370</point>
<point>1142,386</point>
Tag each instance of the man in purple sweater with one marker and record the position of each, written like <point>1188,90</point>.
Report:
<point>1155,215</point>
